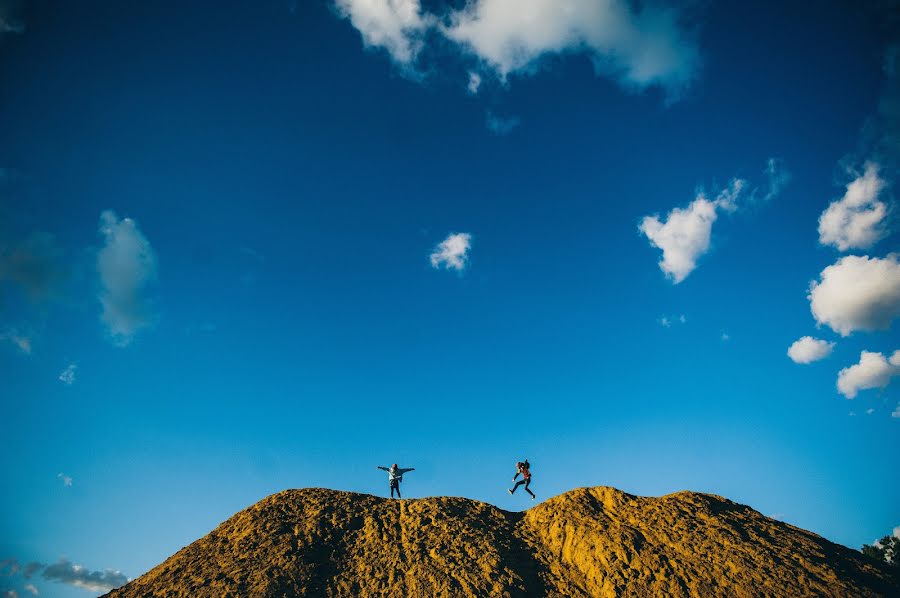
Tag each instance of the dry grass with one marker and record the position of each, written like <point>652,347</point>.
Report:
<point>587,542</point>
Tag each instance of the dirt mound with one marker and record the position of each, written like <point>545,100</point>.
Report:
<point>587,542</point>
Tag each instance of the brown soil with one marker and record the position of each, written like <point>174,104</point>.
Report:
<point>587,542</point>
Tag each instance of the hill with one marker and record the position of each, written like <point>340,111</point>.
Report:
<point>586,542</point>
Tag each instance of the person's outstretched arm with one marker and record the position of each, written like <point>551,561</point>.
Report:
<point>380,467</point>
<point>402,471</point>
<point>517,475</point>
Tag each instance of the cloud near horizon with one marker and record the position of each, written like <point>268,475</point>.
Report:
<point>685,234</point>
<point>857,293</point>
<point>637,46</point>
<point>858,219</point>
<point>127,265</point>
<point>808,349</point>
<point>874,370</point>
<point>452,253</point>
<point>66,572</point>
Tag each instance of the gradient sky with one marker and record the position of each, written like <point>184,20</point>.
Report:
<point>219,219</point>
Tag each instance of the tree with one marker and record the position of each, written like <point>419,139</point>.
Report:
<point>886,549</point>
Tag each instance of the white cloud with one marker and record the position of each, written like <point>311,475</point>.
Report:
<point>76,575</point>
<point>874,370</point>
<point>67,376</point>
<point>857,293</point>
<point>682,318</point>
<point>870,411</point>
<point>685,234</point>
<point>896,413</point>
<point>395,25</point>
<point>857,220</point>
<point>808,349</point>
<point>66,480</point>
<point>31,589</point>
<point>664,322</point>
<point>501,125</point>
<point>126,264</point>
<point>453,252</point>
<point>638,48</point>
<point>778,177</point>
<point>725,337</point>
<point>474,83</point>
<point>20,340</point>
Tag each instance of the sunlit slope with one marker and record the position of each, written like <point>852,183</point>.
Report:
<point>587,542</point>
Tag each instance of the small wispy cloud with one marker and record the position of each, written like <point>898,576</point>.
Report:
<point>127,265</point>
<point>453,252</point>
<point>474,83</point>
<point>870,411</point>
<point>31,589</point>
<point>18,339</point>
<point>725,337</point>
<point>67,376</point>
<point>667,321</point>
<point>896,413</point>
<point>501,125</point>
<point>777,178</point>
<point>66,480</point>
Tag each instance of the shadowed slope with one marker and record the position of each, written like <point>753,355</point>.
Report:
<point>587,542</point>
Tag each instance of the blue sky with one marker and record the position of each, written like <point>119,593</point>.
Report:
<point>257,247</point>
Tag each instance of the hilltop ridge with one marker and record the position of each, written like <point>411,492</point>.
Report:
<point>586,542</point>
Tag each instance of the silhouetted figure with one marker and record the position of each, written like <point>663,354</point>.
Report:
<point>525,471</point>
<point>395,476</point>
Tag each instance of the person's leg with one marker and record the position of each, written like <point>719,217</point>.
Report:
<point>393,486</point>
<point>519,483</point>
<point>527,482</point>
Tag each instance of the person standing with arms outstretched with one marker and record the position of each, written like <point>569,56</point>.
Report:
<point>525,470</point>
<point>395,476</point>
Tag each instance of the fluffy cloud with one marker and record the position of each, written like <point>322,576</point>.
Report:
<point>808,349</point>
<point>896,413</point>
<point>501,125</point>
<point>857,293</point>
<point>66,480</point>
<point>126,264</point>
<point>395,25</point>
<point>637,45</point>
<point>67,376</point>
<point>29,587</point>
<point>684,235</point>
<point>874,370</point>
<point>857,220</point>
<point>76,575</point>
<point>453,252</point>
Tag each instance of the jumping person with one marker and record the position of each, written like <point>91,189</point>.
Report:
<point>524,469</point>
<point>395,475</point>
